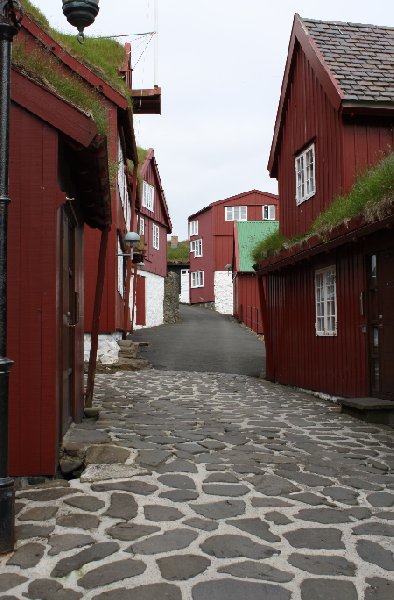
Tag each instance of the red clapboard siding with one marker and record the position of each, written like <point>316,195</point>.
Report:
<point>247,307</point>
<point>333,364</point>
<point>309,116</point>
<point>206,262</point>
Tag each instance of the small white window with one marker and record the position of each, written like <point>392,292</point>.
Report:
<point>193,228</point>
<point>236,213</point>
<point>197,279</point>
<point>121,268</point>
<point>155,236</point>
<point>142,226</point>
<point>148,196</point>
<point>198,248</point>
<point>193,246</point>
<point>269,212</point>
<point>326,301</point>
<point>305,174</point>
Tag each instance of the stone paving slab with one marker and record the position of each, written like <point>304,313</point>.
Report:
<point>221,487</point>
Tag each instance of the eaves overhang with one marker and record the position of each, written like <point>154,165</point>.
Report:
<point>346,233</point>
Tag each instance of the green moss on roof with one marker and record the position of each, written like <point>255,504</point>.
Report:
<point>179,255</point>
<point>44,67</point>
<point>103,56</point>
<point>371,197</point>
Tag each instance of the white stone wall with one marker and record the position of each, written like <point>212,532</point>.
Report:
<point>107,347</point>
<point>154,299</point>
<point>184,296</point>
<point>223,290</point>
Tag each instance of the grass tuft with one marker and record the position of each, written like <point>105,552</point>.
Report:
<point>267,246</point>
<point>179,255</point>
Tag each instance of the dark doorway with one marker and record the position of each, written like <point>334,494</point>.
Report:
<point>381,323</point>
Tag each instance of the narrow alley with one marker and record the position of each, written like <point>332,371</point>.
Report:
<point>205,341</point>
<point>211,486</point>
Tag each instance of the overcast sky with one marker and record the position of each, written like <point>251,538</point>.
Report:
<point>220,68</point>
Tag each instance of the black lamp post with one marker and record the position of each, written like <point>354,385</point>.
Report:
<point>81,14</point>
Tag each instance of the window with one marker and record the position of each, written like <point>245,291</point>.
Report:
<point>193,246</point>
<point>197,279</point>
<point>148,196</point>
<point>236,213</point>
<point>269,212</point>
<point>193,228</point>
<point>142,226</point>
<point>198,248</point>
<point>156,236</point>
<point>123,187</point>
<point>326,301</point>
<point>121,269</point>
<point>305,174</point>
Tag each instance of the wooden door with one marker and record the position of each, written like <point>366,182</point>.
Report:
<point>140,318</point>
<point>381,323</point>
<point>66,320</point>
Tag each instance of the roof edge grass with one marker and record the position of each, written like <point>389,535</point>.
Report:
<point>371,197</point>
<point>103,56</point>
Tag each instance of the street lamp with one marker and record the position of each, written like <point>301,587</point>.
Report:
<point>81,14</point>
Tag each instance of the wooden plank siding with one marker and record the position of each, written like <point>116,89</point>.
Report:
<point>332,364</point>
<point>309,116</point>
<point>206,261</point>
<point>247,307</point>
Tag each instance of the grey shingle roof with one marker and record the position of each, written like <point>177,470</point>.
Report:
<point>360,57</point>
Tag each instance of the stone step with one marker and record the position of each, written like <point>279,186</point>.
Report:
<point>372,410</point>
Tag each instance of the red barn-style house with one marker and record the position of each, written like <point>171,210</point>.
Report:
<point>211,235</point>
<point>154,224</point>
<point>329,299</point>
<point>58,184</point>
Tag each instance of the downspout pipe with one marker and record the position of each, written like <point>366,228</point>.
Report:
<point>9,25</point>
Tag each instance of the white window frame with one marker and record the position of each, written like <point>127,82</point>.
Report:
<point>120,269</point>
<point>234,213</point>
<point>155,236</point>
<point>269,212</point>
<point>305,176</point>
<point>123,188</point>
<point>326,301</point>
<point>196,279</point>
<point>192,246</point>
<point>193,228</point>
<point>198,248</point>
<point>142,226</point>
<point>148,196</point>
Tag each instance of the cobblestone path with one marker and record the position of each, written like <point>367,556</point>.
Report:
<point>211,487</point>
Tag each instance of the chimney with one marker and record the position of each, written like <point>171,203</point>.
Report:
<point>174,241</point>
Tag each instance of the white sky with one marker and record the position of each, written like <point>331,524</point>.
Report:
<point>220,69</point>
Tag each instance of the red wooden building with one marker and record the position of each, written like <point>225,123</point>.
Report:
<point>247,307</point>
<point>58,183</point>
<point>330,320</point>
<point>154,223</point>
<point>211,234</point>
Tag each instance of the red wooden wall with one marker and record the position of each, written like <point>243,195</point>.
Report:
<point>332,364</point>
<point>33,295</point>
<point>206,262</point>
<point>247,308</point>
<point>309,116</point>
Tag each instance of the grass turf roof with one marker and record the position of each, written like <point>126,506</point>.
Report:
<point>371,197</point>
<point>104,56</point>
<point>179,255</point>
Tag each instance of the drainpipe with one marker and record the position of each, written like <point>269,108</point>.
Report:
<point>10,17</point>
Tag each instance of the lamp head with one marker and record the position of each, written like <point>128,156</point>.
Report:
<point>80,13</point>
<point>131,238</point>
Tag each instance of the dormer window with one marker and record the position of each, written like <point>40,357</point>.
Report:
<point>305,174</point>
